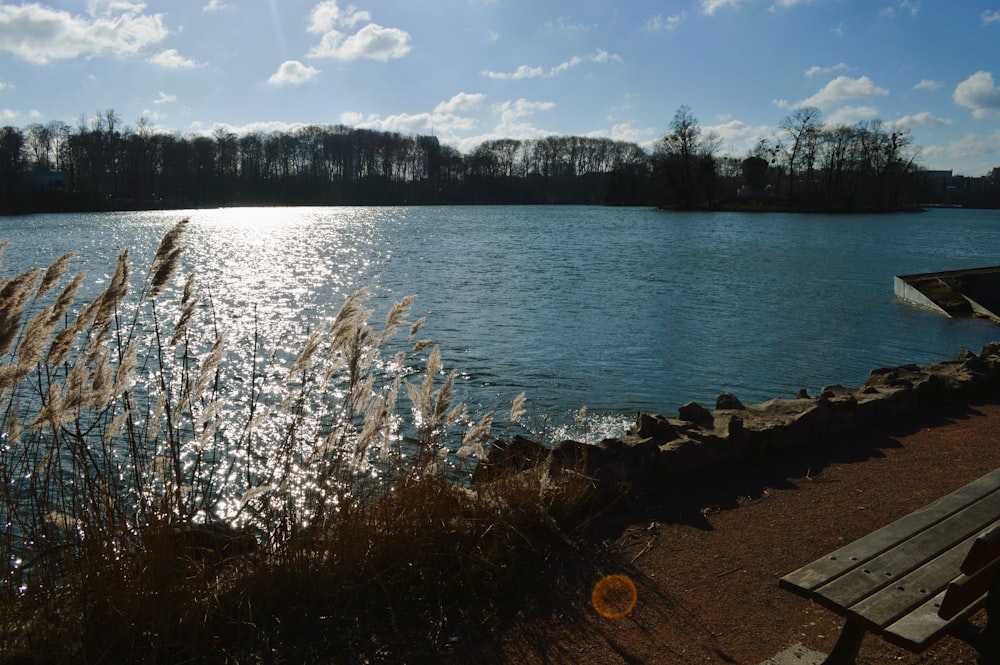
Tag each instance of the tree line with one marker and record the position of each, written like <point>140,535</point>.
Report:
<point>103,164</point>
<point>868,166</point>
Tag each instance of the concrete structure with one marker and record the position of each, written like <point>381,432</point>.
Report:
<point>954,293</point>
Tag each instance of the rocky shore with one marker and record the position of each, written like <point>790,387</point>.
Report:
<point>700,439</point>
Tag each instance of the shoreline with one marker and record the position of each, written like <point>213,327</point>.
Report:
<point>700,440</point>
<point>731,206</point>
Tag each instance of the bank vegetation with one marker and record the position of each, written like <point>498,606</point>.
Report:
<point>102,164</point>
<point>169,494</point>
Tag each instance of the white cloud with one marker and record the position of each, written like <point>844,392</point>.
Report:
<point>624,131</point>
<point>528,72</point>
<point>512,123</point>
<point>215,6</point>
<point>604,57</point>
<point>815,70</point>
<point>8,116</point>
<point>979,94</point>
<point>922,119</point>
<point>152,122</point>
<point>843,88</point>
<point>112,7</point>
<point>171,59</point>
<point>327,16</point>
<point>927,84</point>
<point>991,16</point>
<point>564,66</point>
<point>463,101</point>
<point>848,115</point>
<point>522,107</point>
<point>164,98</point>
<point>261,127</point>
<point>512,115</point>
<point>41,35</point>
<point>666,23</point>
<point>4,86</point>
<point>404,123</point>
<point>897,6</point>
<point>373,41</point>
<point>712,6</point>
<point>292,72</point>
<point>446,126</point>
<point>785,4</point>
<point>972,154</point>
<point>738,137</point>
<point>522,72</point>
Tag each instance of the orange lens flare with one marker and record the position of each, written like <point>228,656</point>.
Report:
<point>614,597</point>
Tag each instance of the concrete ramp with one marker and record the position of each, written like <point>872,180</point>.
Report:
<point>955,293</point>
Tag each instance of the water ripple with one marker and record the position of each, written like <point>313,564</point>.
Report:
<point>615,309</point>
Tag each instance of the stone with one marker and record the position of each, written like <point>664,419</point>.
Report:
<point>728,401</point>
<point>652,426</point>
<point>693,412</point>
<point>699,440</point>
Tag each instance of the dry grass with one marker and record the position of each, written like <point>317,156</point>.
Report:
<point>167,498</point>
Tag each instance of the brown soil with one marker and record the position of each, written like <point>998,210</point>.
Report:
<point>706,555</point>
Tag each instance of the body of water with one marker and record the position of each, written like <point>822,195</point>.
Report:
<point>615,309</point>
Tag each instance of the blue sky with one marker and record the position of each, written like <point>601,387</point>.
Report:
<point>472,70</point>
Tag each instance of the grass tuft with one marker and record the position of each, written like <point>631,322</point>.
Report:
<point>150,512</point>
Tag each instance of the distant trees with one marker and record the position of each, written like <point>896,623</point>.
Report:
<point>685,163</point>
<point>865,166</point>
<point>802,131</point>
<point>805,165</point>
<point>557,169</point>
<point>111,165</point>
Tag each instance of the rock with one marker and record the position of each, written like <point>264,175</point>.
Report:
<point>699,439</point>
<point>693,412</point>
<point>652,426</point>
<point>505,457</point>
<point>728,401</point>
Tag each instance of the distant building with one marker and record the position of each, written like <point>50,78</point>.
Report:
<point>937,185</point>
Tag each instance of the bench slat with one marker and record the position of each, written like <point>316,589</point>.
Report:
<point>821,571</point>
<point>920,628</point>
<point>984,552</point>
<point>884,607</point>
<point>909,553</point>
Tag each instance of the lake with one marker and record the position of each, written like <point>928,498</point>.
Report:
<point>615,309</point>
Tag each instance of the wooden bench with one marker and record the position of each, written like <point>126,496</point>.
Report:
<point>917,579</point>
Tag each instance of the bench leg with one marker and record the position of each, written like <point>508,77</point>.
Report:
<point>845,651</point>
<point>985,640</point>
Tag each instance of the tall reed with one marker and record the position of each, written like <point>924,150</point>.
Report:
<point>166,497</point>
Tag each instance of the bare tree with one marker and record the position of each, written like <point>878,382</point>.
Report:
<point>802,130</point>
<point>685,158</point>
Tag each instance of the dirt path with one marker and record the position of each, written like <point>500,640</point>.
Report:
<point>706,555</point>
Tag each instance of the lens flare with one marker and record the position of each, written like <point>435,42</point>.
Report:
<point>614,597</point>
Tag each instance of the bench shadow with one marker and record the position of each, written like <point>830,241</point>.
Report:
<point>690,501</point>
